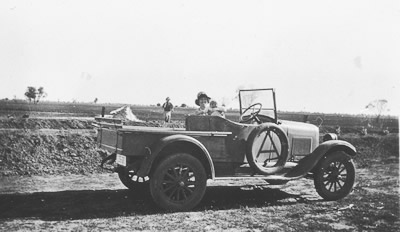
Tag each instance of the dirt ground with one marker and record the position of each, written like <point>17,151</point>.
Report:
<point>99,202</point>
<point>50,181</point>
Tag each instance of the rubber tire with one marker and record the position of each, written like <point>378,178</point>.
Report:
<point>156,182</point>
<point>284,148</point>
<point>343,158</point>
<point>130,184</point>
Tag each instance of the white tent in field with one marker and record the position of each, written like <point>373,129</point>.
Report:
<point>125,112</point>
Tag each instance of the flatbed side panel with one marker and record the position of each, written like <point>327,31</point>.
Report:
<point>110,140</point>
<point>137,144</point>
<point>171,131</point>
<point>216,147</point>
<point>136,140</point>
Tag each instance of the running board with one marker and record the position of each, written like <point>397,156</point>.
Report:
<point>245,169</point>
<point>291,171</point>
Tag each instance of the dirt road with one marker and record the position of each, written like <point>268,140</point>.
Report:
<point>100,202</point>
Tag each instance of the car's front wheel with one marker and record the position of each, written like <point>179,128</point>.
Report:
<point>178,182</point>
<point>335,175</point>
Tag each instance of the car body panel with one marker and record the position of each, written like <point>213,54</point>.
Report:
<point>303,138</point>
<point>163,142</point>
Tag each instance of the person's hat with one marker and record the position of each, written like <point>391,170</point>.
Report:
<point>213,101</point>
<point>201,95</point>
<point>167,98</point>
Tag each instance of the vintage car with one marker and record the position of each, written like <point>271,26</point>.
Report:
<point>174,164</point>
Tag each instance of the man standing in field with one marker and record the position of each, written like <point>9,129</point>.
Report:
<point>168,108</point>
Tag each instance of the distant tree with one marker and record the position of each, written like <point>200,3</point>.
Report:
<point>95,100</point>
<point>183,105</point>
<point>378,107</point>
<point>31,94</point>
<point>158,104</point>
<point>40,94</point>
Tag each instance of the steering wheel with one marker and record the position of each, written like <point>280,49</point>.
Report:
<point>253,115</point>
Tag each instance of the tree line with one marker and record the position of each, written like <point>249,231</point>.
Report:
<point>34,95</point>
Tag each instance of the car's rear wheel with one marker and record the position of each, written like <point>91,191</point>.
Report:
<point>267,149</point>
<point>335,175</point>
<point>126,178</point>
<point>178,182</point>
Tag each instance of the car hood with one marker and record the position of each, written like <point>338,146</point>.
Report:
<point>299,128</point>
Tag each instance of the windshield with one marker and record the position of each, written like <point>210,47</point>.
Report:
<point>263,96</point>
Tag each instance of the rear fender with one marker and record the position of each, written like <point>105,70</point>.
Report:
<point>156,153</point>
<point>306,164</point>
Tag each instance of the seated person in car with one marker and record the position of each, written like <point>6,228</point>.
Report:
<point>214,110</point>
<point>202,101</point>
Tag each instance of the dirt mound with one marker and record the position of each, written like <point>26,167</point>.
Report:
<point>125,113</point>
<point>34,153</point>
<point>40,123</point>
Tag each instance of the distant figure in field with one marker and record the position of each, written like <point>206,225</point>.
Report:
<point>168,108</point>
<point>214,110</point>
<point>338,130</point>
<point>364,131</point>
<point>386,131</point>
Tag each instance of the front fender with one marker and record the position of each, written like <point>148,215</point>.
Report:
<point>306,164</point>
<point>336,145</point>
<point>155,152</point>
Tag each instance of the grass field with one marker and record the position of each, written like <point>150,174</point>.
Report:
<point>328,122</point>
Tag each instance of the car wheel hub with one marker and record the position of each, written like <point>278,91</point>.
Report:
<point>181,184</point>
<point>334,175</point>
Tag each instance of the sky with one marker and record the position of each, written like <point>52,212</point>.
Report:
<point>320,56</point>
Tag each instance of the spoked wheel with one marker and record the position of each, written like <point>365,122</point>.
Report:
<point>178,182</point>
<point>126,178</point>
<point>335,176</point>
<point>267,149</point>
